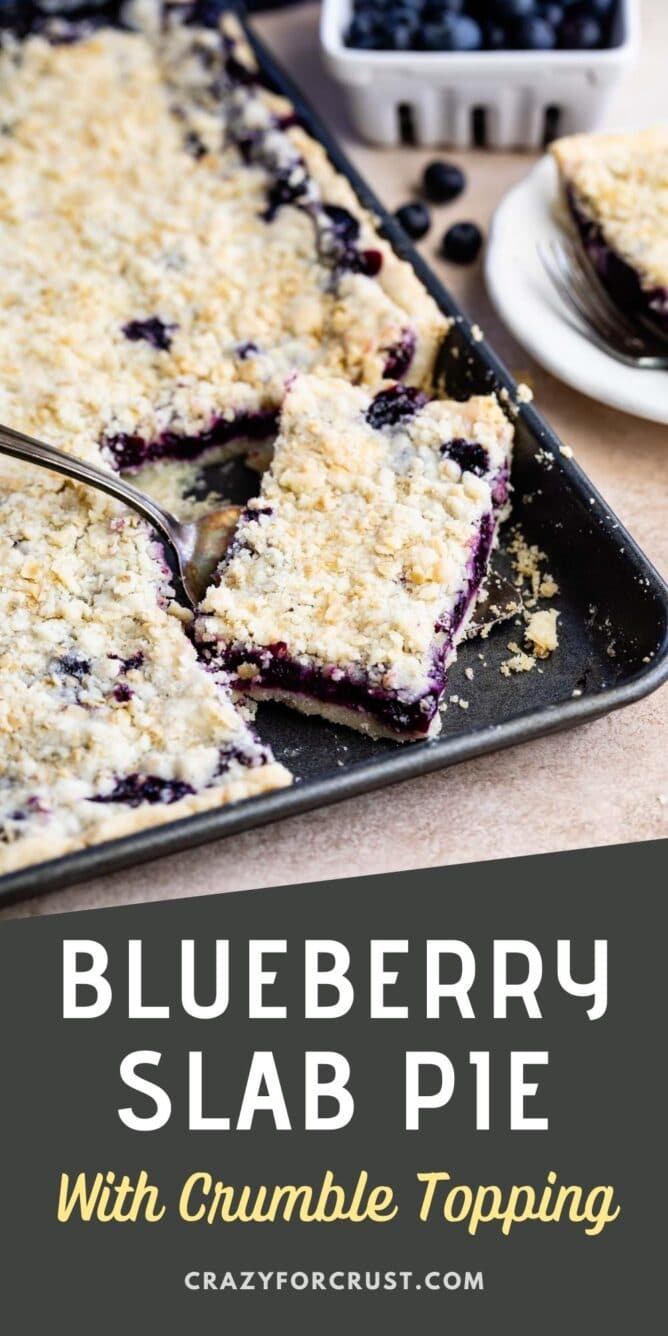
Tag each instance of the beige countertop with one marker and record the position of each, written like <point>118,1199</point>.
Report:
<point>604,783</point>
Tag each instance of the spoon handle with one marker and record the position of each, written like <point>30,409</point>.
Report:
<point>36,452</point>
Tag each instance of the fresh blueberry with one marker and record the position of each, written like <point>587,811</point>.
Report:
<point>401,35</point>
<point>443,181</point>
<point>535,34</point>
<point>508,10</point>
<point>368,42</point>
<point>600,8</point>
<point>400,13</point>
<point>415,219</point>
<point>553,13</point>
<point>580,32</point>
<point>461,243</point>
<point>496,37</point>
<point>451,32</point>
<point>430,36</point>
<point>363,28</point>
<point>434,9</point>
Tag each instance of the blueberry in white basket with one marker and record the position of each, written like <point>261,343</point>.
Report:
<point>415,219</point>
<point>451,32</point>
<point>495,37</point>
<point>554,13</point>
<point>580,32</point>
<point>535,34</point>
<point>473,25</point>
<point>461,243</point>
<point>509,10</point>
<point>443,181</point>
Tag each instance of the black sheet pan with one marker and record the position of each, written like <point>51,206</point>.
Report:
<point>613,623</point>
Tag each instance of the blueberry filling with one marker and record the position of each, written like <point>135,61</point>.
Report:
<point>470,456</point>
<point>275,669</point>
<point>194,145</point>
<point>74,665</point>
<point>501,488</point>
<point>345,227</point>
<point>247,349</point>
<point>619,278</point>
<point>354,689</point>
<point>154,331</point>
<point>476,573</point>
<point>394,405</point>
<point>250,758</point>
<point>290,184</point>
<point>134,661</point>
<point>400,356</point>
<point>130,452</point>
<point>368,262</point>
<point>338,242</point>
<point>137,789</point>
<point>122,692</point>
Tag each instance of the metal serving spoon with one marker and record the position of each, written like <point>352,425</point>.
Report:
<point>198,545</point>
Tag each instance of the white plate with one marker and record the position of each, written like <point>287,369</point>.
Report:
<point>528,304</point>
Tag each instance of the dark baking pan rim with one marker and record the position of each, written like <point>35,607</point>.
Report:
<point>408,761</point>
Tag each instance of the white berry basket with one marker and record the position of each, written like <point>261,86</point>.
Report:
<point>497,99</point>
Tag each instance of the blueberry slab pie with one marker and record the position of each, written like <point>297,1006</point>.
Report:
<point>352,576</point>
<point>184,269</point>
<point>616,187</point>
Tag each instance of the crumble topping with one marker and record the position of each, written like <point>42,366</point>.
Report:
<point>527,559</point>
<point>541,632</point>
<point>519,662</point>
<point>145,272</point>
<point>620,182</point>
<point>540,626</point>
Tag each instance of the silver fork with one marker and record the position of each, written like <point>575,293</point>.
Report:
<point>198,546</point>
<point>608,327</point>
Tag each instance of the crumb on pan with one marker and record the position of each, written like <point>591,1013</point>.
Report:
<point>541,632</point>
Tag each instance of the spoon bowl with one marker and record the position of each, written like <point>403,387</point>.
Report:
<point>198,545</point>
